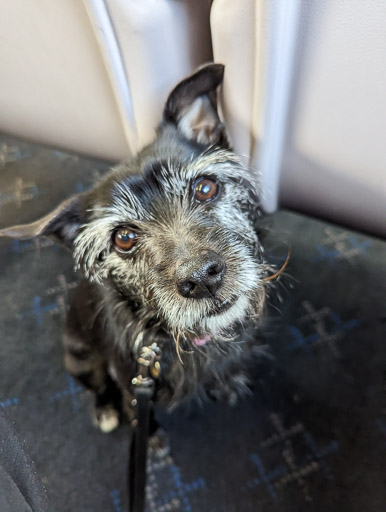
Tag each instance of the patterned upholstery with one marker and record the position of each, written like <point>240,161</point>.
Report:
<point>311,437</point>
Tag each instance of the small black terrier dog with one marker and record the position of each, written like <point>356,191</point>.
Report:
<point>170,253</point>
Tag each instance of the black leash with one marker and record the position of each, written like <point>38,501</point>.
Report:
<point>143,390</point>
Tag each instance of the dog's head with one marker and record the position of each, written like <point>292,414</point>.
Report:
<point>172,229</point>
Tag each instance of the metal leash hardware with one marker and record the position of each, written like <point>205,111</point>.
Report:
<point>149,368</point>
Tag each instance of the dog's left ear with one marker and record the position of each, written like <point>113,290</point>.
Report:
<point>192,106</point>
<point>62,224</point>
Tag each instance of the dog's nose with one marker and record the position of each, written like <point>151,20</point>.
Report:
<point>200,277</point>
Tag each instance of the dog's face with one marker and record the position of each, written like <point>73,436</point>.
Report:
<point>173,229</point>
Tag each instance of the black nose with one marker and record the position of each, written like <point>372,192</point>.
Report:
<point>201,277</point>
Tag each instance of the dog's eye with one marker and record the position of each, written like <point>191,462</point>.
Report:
<point>125,239</point>
<point>205,189</point>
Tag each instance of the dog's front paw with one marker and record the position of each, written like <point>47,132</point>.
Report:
<point>106,418</point>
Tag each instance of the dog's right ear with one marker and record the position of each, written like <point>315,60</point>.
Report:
<point>62,224</point>
<point>192,107</point>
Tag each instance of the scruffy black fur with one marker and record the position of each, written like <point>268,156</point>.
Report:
<point>190,276</point>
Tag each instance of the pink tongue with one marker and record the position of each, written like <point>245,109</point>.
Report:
<point>201,341</point>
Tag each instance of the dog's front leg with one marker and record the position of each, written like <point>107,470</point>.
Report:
<point>84,356</point>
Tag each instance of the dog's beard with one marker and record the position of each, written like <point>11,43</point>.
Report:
<point>239,300</point>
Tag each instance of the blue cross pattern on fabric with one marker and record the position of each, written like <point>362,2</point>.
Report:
<point>290,471</point>
<point>164,475</point>
<point>58,306</point>
<point>21,191</point>
<point>38,310</point>
<point>72,390</point>
<point>81,186</point>
<point>117,501</point>
<point>10,153</point>
<point>340,245</point>
<point>327,328</point>
<point>181,490</point>
<point>9,402</point>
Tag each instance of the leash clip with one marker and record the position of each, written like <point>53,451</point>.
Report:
<point>149,364</point>
<point>142,382</point>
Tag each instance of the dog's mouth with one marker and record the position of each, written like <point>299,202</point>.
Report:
<point>220,307</point>
<point>199,342</point>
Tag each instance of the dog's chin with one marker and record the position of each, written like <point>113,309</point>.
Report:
<point>220,321</point>
<point>223,316</point>
<point>223,324</point>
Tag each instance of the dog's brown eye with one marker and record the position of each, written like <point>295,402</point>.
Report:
<point>205,190</point>
<point>125,239</point>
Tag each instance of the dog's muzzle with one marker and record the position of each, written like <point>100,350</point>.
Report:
<point>200,277</point>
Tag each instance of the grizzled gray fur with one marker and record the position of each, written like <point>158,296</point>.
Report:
<point>169,251</point>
